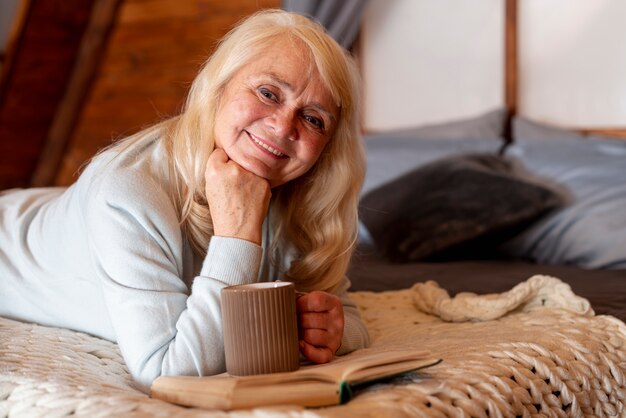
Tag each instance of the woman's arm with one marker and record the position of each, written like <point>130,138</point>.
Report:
<point>138,251</point>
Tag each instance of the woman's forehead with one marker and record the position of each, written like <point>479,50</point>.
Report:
<point>288,49</point>
<point>287,62</point>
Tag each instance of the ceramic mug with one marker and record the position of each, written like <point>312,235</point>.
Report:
<point>260,328</point>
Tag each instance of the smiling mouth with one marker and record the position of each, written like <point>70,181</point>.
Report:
<point>266,147</point>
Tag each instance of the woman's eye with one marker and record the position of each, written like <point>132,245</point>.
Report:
<point>317,122</point>
<point>267,94</point>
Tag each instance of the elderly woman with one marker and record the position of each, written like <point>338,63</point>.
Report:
<point>256,180</point>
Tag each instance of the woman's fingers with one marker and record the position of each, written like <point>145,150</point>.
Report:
<point>320,321</point>
<point>333,324</point>
<point>318,337</point>
<point>238,199</point>
<point>316,354</point>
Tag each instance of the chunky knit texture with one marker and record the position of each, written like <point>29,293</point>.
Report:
<point>539,359</point>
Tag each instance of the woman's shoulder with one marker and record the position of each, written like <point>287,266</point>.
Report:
<point>134,172</point>
<point>125,192</point>
<point>131,153</point>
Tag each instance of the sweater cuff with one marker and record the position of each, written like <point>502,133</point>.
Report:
<point>232,260</point>
<point>355,336</point>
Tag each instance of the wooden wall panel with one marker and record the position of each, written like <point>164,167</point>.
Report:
<point>154,51</point>
<point>34,81</point>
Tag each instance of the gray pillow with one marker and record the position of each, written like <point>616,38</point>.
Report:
<point>524,128</point>
<point>590,231</point>
<point>390,158</point>
<point>487,125</point>
<point>452,202</point>
<point>392,154</point>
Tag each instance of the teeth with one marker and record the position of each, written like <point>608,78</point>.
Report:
<point>267,147</point>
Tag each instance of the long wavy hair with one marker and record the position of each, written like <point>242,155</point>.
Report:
<point>314,215</point>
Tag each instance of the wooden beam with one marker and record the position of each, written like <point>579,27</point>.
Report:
<point>511,58</point>
<point>510,64</point>
<point>89,56</point>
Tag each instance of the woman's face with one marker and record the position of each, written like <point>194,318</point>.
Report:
<point>275,118</point>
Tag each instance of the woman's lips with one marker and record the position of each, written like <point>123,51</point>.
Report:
<point>266,146</point>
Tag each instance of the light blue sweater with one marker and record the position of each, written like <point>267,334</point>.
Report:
<point>106,256</point>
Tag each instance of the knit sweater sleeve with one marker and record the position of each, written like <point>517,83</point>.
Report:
<point>136,247</point>
<point>355,335</point>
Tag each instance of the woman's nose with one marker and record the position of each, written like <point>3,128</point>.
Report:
<point>283,123</point>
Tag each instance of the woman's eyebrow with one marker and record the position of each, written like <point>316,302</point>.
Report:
<point>279,80</point>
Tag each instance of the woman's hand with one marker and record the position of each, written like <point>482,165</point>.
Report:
<point>238,199</point>
<point>320,325</point>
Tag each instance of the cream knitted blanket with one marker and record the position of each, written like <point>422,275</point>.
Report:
<point>537,292</point>
<point>536,350</point>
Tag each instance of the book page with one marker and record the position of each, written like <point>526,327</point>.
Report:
<point>350,367</point>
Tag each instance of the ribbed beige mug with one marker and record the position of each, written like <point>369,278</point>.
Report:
<point>260,328</point>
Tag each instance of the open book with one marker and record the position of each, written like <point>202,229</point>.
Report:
<point>313,385</point>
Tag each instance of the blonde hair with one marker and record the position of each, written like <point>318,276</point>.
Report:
<point>315,214</point>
